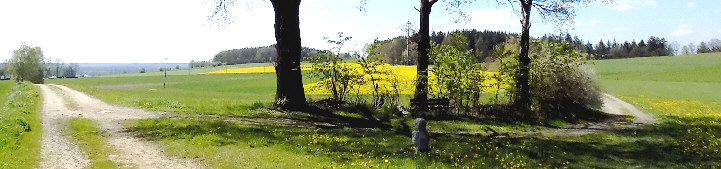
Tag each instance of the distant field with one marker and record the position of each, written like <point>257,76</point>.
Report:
<point>695,77</point>
<point>193,71</point>
<point>196,94</point>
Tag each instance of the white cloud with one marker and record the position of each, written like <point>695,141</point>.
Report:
<point>650,3</point>
<point>494,19</point>
<point>683,30</point>
<point>586,23</point>
<point>625,5</point>
<point>690,4</point>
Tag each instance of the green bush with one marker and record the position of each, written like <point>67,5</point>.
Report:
<point>333,73</point>
<point>562,85</point>
<point>458,75</point>
<point>384,82</point>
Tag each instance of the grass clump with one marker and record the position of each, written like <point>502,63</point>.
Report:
<point>20,125</point>
<point>91,141</point>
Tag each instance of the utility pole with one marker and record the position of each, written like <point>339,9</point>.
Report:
<point>408,28</point>
<point>165,71</point>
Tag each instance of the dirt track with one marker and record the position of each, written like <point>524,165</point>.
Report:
<point>614,105</point>
<point>611,105</point>
<point>60,151</point>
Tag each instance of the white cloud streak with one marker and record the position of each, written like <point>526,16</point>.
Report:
<point>683,30</point>
<point>590,23</point>
<point>625,5</point>
<point>494,19</point>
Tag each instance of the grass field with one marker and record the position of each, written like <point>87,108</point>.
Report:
<point>696,77</point>
<point>20,129</point>
<point>194,94</point>
<point>683,91</point>
<point>672,88</point>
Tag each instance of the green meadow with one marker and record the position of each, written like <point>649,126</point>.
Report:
<point>229,126</point>
<point>20,128</point>
<point>696,77</point>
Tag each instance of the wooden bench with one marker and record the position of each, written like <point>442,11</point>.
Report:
<point>436,104</point>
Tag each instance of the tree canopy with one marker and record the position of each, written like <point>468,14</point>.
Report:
<point>26,64</point>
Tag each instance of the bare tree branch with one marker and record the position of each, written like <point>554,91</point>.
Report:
<point>221,14</point>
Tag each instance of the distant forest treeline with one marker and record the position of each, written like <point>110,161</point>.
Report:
<point>654,46</point>
<point>254,55</point>
<point>402,49</point>
<point>714,45</point>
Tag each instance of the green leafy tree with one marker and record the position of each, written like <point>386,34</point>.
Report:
<point>71,70</point>
<point>26,64</point>
<point>458,75</point>
<point>508,58</point>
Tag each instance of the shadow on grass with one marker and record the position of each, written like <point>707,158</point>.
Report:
<point>661,146</point>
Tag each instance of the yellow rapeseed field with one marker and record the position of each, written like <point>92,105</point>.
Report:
<point>244,70</point>
<point>401,79</point>
<point>400,75</point>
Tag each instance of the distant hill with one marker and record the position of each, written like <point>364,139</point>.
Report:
<point>101,69</point>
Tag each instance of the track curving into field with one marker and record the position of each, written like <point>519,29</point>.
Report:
<point>611,105</point>
<point>60,151</point>
<point>614,105</point>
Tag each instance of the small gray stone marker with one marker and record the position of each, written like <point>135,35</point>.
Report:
<point>420,136</point>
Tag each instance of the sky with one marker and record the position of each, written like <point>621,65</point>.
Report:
<point>178,31</point>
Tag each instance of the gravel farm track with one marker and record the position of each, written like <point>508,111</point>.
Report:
<point>59,150</point>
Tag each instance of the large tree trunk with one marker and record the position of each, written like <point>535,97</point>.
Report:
<point>289,93</point>
<point>424,46</point>
<point>523,97</point>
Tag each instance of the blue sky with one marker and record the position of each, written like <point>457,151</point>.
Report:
<point>149,31</point>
